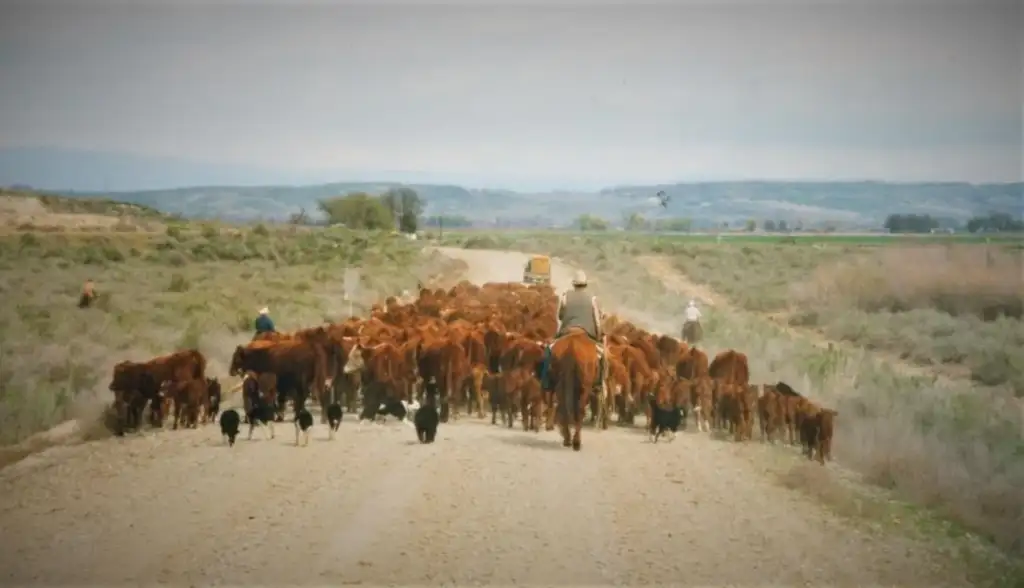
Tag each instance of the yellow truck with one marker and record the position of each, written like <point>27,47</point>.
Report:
<point>537,270</point>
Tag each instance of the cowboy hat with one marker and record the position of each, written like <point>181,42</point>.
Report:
<point>579,278</point>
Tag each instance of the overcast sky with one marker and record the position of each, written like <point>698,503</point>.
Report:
<point>578,95</point>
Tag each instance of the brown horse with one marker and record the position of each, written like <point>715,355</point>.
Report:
<point>574,371</point>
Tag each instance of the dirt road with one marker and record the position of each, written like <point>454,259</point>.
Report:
<point>484,505</point>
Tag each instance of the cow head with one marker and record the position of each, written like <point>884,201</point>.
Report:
<point>125,378</point>
<point>355,361</point>
<point>213,388</point>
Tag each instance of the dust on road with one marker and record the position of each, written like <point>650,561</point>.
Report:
<point>482,505</point>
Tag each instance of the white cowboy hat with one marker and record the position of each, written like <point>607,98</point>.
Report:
<point>264,310</point>
<point>579,278</point>
<point>692,303</point>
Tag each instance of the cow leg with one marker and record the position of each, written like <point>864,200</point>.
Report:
<point>178,408</point>
<point>325,401</point>
<point>536,413</point>
<point>552,406</point>
<point>606,406</point>
<point>482,397</point>
<point>121,408</point>
<point>509,406</point>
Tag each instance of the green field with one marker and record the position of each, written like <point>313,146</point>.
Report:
<point>799,238</point>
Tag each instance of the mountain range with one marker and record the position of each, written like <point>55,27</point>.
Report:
<point>234,192</point>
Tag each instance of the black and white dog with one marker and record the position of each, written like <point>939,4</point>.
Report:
<point>303,425</point>
<point>663,419</point>
<point>386,406</point>
<point>229,421</point>
<point>261,414</point>
<point>334,414</point>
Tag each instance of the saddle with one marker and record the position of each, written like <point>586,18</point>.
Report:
<point>576,331</point>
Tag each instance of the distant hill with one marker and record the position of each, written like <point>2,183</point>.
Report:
<point>231,192</point>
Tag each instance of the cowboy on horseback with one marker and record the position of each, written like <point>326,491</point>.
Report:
<point>577,308</point>
<point>691,323</point>
<point>263,323</point>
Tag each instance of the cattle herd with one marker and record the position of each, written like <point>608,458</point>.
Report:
<point>473,348</point>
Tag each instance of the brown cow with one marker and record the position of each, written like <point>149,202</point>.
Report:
<point>703,403</point>
<point>300,367</point>
<point>771,412</point>
<point>816,429</point>
<point>136,383</point>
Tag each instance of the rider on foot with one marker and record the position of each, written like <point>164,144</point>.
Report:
<point>578,308</point>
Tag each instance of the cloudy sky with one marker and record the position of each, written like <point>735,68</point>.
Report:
<point>512,95</point>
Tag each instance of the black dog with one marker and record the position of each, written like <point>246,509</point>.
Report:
<point>427,417</point>
<point>303,424</point>
<point>334,413</point>
<point>229,421</point>
<point>663,419</point>
<point>261,413</point>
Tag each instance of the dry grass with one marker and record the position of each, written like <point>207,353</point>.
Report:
<point>192,286</point>
<point>955,446</point>
<point>954,306</point>
<point>977,281</point>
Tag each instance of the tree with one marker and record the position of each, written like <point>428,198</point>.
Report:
<point>589,222</point>
<point>995,221</point>
<point>636,222</point>
<point>358,211</point>
<point>769,226</point>
<point>910,223</point>
<point>751,225</point>
<point>781,226</point>
<point>405,205</point>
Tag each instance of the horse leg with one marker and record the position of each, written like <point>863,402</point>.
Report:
<point>551,405</point>
<point>564,414</point>
<point>563,424</point>
<point>577,441</point>
<point>605,406</point>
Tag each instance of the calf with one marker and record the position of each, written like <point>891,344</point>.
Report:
<point>771,412</point>
<point>229,421</point>
<point>334,414</point>
<point>189,396</point>
<point>213,395</point>
<point>816,428</point>
<point>303,424</point>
